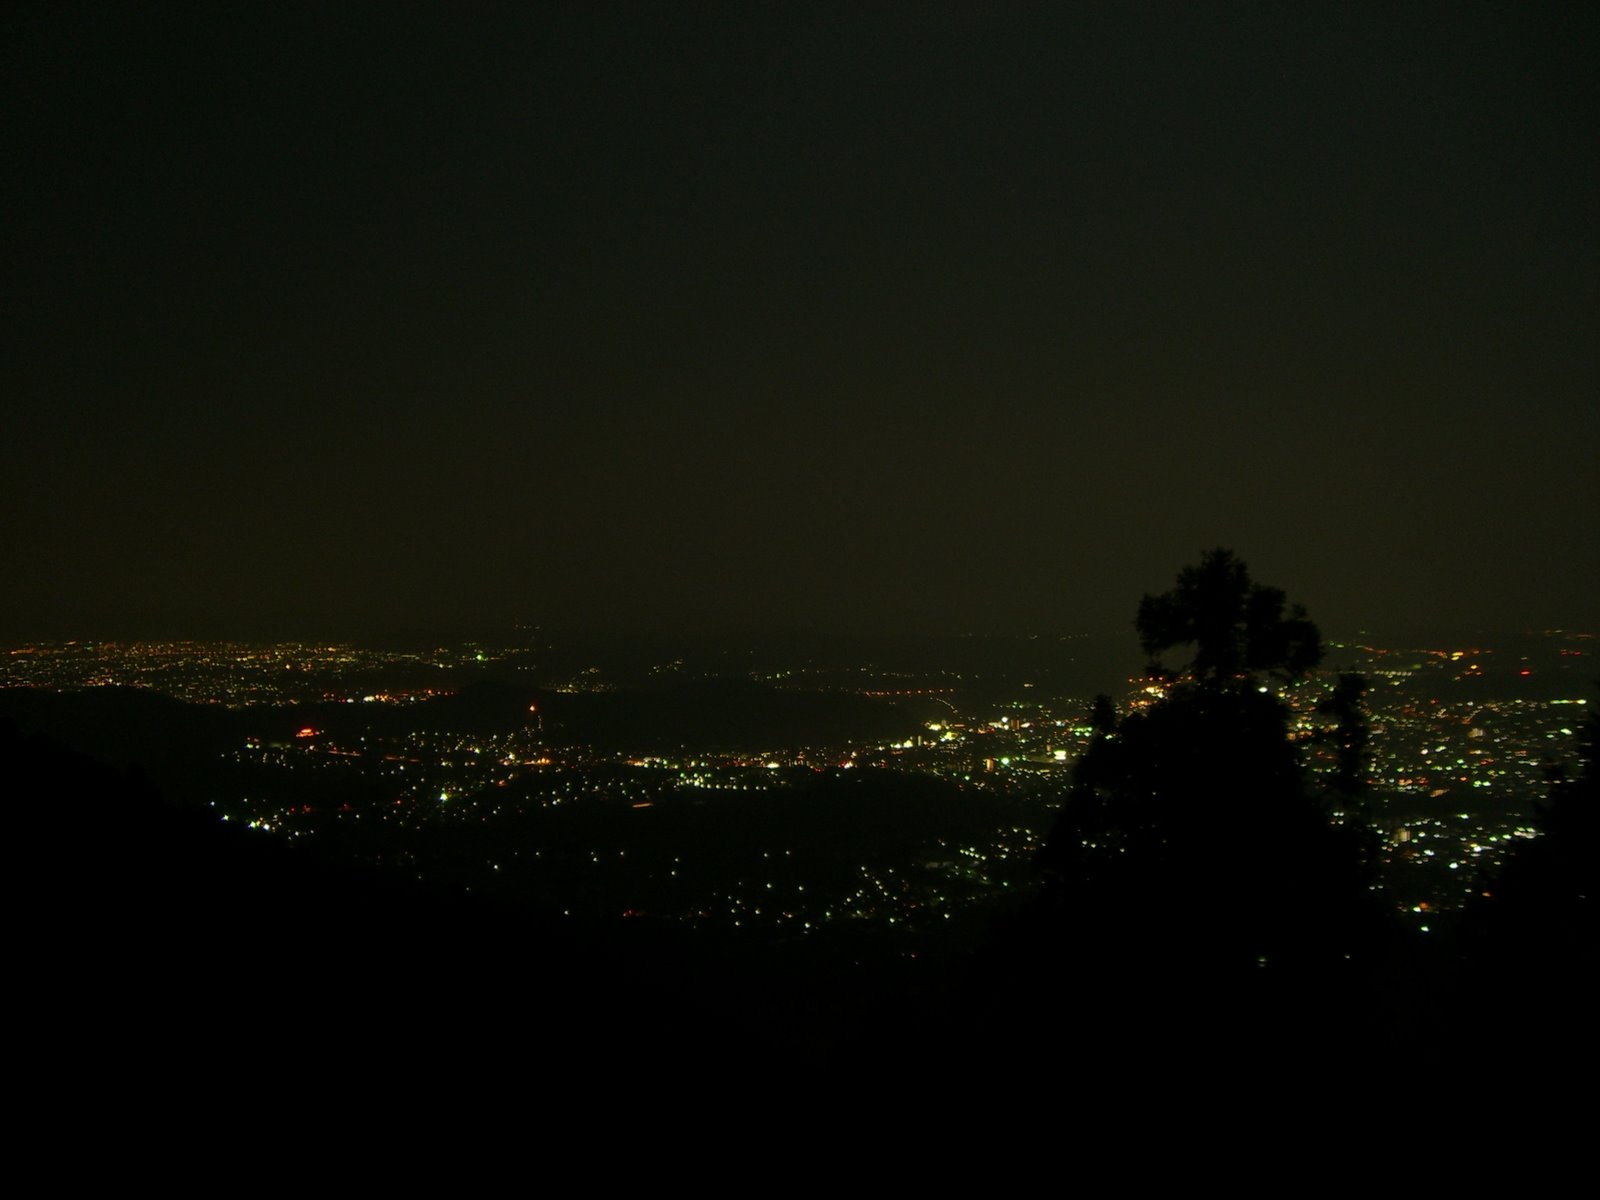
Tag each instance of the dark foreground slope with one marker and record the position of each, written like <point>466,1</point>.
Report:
<point>150,937</point>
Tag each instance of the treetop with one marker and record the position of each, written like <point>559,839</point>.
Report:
<point>1236,626</point>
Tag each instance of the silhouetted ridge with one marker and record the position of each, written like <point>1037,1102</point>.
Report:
<point>127,725</point>
<point>155,930</point>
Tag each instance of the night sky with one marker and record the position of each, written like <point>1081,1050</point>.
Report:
<point>338,319</point>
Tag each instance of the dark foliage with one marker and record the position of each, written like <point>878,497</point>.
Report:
<point>1530,944</point>
<point>1349,735</point>
<point>1190,827</point>
<point>1200,901</point>
<point>1235,625</point>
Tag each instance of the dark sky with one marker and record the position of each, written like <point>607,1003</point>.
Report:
<point>976,317</point>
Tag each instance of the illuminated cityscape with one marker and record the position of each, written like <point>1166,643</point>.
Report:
<point>336,741</point>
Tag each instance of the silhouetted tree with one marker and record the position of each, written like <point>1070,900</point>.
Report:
<point>1346,704</point>
<point>1236,626</point>
<point>1191,853</point>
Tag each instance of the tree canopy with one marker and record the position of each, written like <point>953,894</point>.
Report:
<point>1236,626</point>
<point>1192,849</point>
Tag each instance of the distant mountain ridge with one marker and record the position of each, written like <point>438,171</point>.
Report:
<point>133,725</point>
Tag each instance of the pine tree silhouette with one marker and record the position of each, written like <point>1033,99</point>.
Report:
<point>1193,870</point>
